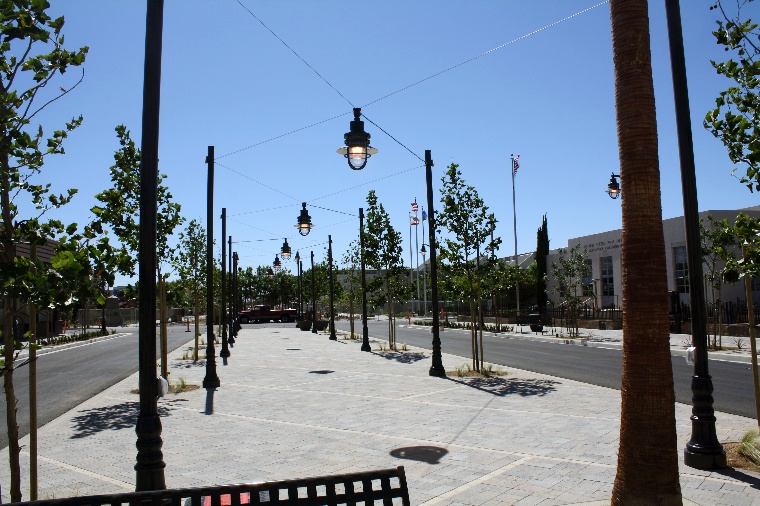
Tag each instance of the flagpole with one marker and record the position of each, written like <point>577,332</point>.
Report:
<point>514,213</point>
<point>411,262</point>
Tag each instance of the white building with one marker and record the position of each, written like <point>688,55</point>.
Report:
<point>603,253</point>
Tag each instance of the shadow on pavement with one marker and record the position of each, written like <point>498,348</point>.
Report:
<point>739,475</point>
<point>503,386</point>
<point>427,454</point>
<point>407,357</point>
<point>116,417</point>
<point>187,364</point>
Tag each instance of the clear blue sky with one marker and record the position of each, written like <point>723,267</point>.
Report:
<point>228,82</point>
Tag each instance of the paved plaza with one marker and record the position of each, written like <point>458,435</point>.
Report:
<point>295,404</point>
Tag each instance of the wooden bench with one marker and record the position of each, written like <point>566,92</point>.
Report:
<point>362,488</point>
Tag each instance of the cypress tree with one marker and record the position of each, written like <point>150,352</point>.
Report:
<point>542,250</point>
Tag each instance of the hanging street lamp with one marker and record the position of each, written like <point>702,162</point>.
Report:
<point>276,264</point>
<point>304,224</point>
<point>285,251</point>
<point>613,189</point>
<point>357,149</point>
<point>270,273</point>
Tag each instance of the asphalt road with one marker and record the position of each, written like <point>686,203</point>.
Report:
<point>68,376</point>
<point>732,382</point>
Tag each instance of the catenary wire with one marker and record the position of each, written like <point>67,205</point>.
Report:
<point>412,84</point>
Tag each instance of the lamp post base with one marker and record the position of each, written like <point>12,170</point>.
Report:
<point>704,461</point>
<point>438,372</point>
<point>212,382</point>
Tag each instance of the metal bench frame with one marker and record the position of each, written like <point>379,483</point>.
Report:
<point>382,485</point>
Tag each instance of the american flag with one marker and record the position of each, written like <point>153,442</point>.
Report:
<point>414,206</point>
<point>515,164</point>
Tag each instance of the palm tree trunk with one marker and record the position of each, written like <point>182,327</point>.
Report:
<point>647,471</point>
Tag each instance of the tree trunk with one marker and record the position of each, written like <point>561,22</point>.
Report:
<point>10,404</point>
<point>33,387</point>
<point>647,471</point>
<point>752,338</point>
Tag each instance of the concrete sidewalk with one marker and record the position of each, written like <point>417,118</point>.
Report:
<point>294,404</point>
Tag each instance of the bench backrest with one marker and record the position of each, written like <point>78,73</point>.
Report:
<point>352,489</point>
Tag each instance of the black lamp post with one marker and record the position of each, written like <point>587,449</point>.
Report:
<point>235,296</point>
<point>313,298</point>
<point>225,353</point>
<point>300,288</point>
<point>703,451</point>
<point>230,296</point>
<point>613,188</point>
<point>357,149</point>
<point>211,380</point>
<point>150,465</point>
<point>365,330</point>
<point>436,369</point>
<point>304,224</point>
<point>333,337</point>
<point>423,252</point>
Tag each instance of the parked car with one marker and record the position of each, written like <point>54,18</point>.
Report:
<point>265,313</point>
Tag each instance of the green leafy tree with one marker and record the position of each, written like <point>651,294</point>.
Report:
<point>352,295</point>
<point>569,274</point>
<point>734,120</point>
<point>383,252</point>
<point>119,212</point>
<point>190,265</point>
<point>25,28</point>
<point>320,284</point>
<point>718,244</point>
<point>465,217</point>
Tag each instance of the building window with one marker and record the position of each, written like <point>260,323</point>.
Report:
<point>587,281</point>
<point>608,283</point>
<point>681,270</point>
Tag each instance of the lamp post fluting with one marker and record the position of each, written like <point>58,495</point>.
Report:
<point>313,298</point>
<point>365,330</point>
<point>223,312</point>
<point>333,337</point>
<point>703,451</point>
<point>150,464</point>
<point>436,369</point>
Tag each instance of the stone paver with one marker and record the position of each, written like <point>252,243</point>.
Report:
<point>294,404</point>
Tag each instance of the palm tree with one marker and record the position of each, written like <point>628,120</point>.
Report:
<point>647,471</point>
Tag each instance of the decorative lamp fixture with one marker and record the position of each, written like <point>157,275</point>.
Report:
<point>297,257</point>
<point>357,149</point>
<point>423,251</point>
<point>270,273</point>
<point>276,264</point>
<point>613,189</point>
<point>304,225</point>
<point>285,251</point>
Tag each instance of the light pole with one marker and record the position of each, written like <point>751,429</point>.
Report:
<point>231,296</point>
<point>365,330</point>
<point>703,451</point>
<point>313,298</point>
<point>300,288</point>
<point>234,297</point>
<point>423,251</point>
<point>436,369</point>
<point>225,353</point>
<point>150,464</point>
<point>211,380</point>
<point>333,337</point>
